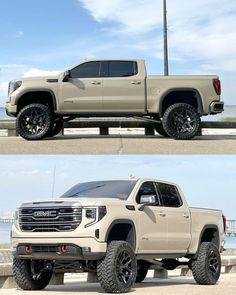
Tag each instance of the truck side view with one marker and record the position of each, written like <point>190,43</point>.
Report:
<point>118,229</point>
<point>113,88</point>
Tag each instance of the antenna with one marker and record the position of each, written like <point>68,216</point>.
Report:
<point>165,37</point>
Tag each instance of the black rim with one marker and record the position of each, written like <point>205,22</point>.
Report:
<point>213,263</point>
<point>37,270</point>
<point>124,267</point>
<point>183,121</point>
<point>33,122</point>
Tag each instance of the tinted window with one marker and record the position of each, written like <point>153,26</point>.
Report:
<point>86,70</point>
<point>147,189</point>
<point>119,189</point>
<point>169,194</point>
<point>122,68</point>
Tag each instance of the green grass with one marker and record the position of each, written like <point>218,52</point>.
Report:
<point>5,246</point>
<point>229,119</point>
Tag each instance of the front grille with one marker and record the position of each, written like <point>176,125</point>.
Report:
<point>51,219</point>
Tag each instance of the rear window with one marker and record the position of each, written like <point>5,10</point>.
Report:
<point>118,189</point>
<point>169,195</point>
<point>123,68</point>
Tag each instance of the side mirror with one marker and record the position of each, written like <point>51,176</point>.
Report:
<point>67,75</point>
<point>147,200</point>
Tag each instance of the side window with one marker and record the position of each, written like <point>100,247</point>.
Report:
<point>147,188</point>
<point>123,68</point>
<point>169,195</point>
<point>87,70</point>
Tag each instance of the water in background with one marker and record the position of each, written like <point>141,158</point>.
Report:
<point>6,227</point>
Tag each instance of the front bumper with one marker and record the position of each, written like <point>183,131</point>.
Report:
<point>11,110</point>
<point>216,107</point>
<point>51,249</point>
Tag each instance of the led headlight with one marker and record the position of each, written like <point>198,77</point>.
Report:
<point>16,218</point>
<point>13,86</point>
<point>94,214</point>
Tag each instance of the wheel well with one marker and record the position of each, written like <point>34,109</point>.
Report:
<point>122,232</point>
<point>191,97</point>
<point>211,235</point>
<point>43,97</point>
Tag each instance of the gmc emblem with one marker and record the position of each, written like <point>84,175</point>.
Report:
<point>45,213</point>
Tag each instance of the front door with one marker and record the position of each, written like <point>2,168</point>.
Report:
<point>83,90</point>
<point>152,223</point>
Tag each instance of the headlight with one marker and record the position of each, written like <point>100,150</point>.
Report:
<point>13,86</point>
<point>16,218</point>
<point>94,214</point>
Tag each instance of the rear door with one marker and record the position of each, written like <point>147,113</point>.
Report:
<point>152,223</point>
<point>83,90</point>
<point>123,87</point>
<point>178,218</point>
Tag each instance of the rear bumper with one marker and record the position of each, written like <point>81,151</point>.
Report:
<point>216,107</point>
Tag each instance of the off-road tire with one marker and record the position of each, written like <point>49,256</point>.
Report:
<point>34,121</point>
<point>181,121</point>
<point>24,278</point>
<point>110,273</point>
<point>160,130</point>
<point>207,267</point>
<point>56,128</point>
<point>141,273</point>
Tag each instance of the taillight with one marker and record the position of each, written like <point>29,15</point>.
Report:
<point>224,223</point>
<point>217,86</point>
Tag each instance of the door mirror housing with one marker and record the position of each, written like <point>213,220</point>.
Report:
<point>66,76</point>
<point>147,200</point>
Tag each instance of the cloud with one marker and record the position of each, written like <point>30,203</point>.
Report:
<point>34,72</point>
<point>3,89</point>
<point>19,34</point>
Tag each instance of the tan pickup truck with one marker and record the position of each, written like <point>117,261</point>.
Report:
<point>118,229</point>
<point>113,88</point>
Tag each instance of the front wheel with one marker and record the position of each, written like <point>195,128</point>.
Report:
<point>56,128</point>
<point>34,121</point>
<point>181,121</point>
<point>141,272</point>
<point>31,275</point>
<point>206,268</point>
<point>117,271</point>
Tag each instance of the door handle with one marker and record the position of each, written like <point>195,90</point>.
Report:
<point>162,214</point>
<point>185,215</point>
<point>136,82</point>
<point>95,83</point>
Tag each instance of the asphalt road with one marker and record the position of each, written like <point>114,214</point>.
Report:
<point>120,144</point>
<point>172,286</point>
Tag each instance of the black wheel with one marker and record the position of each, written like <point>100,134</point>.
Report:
<point>117,271</point>
<point>56,128</point>
<point>34,121</point>
<point>207,267</point>
<point>181,121</point>
<point>31,275</point>
<point>141,272</point>
<point>159,129</point>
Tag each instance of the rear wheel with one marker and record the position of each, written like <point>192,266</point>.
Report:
<point>31,275</point>
<point>117,271</point>
<point>206,268</point>
<point>181,121</point>
<point>159,129</point>
<point>56,128</point>
<point>141,272</point>
<point>34,121</point>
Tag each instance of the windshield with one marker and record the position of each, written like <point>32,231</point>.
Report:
<point>118,189</point>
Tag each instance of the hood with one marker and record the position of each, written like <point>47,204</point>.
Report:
<point>38,78</point>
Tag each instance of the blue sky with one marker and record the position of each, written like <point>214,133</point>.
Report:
<point>207,181</point>
<point>39,37</point>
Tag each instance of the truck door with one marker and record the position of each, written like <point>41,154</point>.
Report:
<point>123,88</point>
<point>178,218</point>
<point>83,90</point>
<point>152,223</point>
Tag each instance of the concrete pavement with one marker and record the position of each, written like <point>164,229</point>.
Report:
<point>171,286</point>
<point>120,144</point>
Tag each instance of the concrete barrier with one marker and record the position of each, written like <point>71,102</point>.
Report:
<point>105,124</point>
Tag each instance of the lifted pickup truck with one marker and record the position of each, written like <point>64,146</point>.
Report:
<point>113,88</point>
<point>118,229</point>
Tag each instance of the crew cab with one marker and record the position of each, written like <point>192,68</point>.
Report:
<point>113,88</point>
<point>118,229</point>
